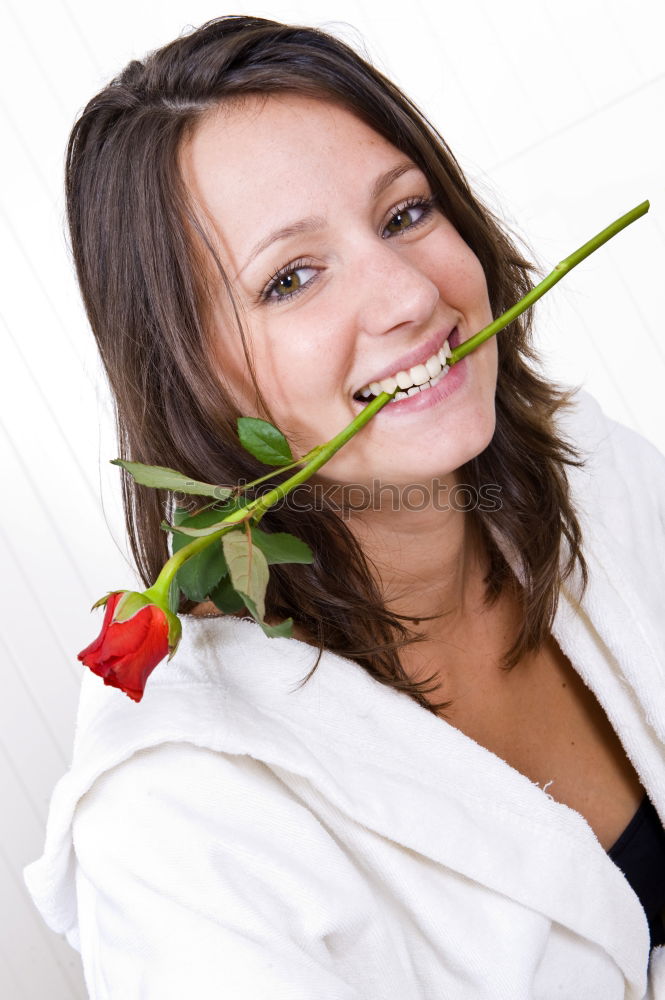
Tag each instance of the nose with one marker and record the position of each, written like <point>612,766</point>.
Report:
<point>392,290</point>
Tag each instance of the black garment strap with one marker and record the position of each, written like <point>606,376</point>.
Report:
<point>640,854</point>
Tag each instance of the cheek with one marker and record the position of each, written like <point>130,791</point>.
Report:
<point>459,274</point>
<point>304,357</point>
<point>275,368</point>
<point>293,380</point>
<point>230,363</point>
<point>232,369</point>
<point>469,279</point>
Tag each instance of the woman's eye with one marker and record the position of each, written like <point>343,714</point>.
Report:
<point>287,283</point>
<point>410,215</point>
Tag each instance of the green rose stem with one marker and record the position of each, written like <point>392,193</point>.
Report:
<point>284,468</point>
<point>561,269</point>
<point>319,455</point>
<point>257,508</point>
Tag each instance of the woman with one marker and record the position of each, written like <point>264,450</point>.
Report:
<point>264,225</point>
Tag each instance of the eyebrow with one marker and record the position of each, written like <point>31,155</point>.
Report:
<point>315,223</point>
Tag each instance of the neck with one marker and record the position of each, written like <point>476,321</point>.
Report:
<point>434,562</point>
<point>428,562</point>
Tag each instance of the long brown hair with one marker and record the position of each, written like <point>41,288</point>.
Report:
<point>138,264</point>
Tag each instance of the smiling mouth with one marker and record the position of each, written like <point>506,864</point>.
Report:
<point>408,382</point>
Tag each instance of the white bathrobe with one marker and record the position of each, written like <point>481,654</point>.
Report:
<point>233,836</point>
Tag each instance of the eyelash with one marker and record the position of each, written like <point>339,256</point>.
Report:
<point>426,203</point>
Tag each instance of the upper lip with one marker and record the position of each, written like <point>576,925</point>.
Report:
<point>417,356</point>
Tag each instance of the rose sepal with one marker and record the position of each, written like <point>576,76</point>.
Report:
<point>102,600</point>
<point>128,605</point>
<point>175,632</point>
<point>132,602</point>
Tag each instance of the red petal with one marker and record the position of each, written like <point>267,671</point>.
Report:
<point>130,651</point>
<point>109,608</point>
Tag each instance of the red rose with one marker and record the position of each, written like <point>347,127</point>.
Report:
<point>127,651</point>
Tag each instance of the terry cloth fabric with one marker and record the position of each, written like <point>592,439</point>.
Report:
<point>236,835</point>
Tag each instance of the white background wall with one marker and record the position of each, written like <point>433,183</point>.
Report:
<point>557,113</point>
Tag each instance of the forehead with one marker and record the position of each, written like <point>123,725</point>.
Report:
<point>280,156</point>
<point>251,139</point>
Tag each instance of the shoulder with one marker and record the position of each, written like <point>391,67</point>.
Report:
<point>585,424</point>
<point>619,496</point>
<point>174,807</point>
<point>139,811</point>
<point>621,467</point>
<point>230,706</point>
<point>187,799</point>
<point>196,867</point>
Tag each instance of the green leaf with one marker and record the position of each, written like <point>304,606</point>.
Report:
<point>281,547</point>
<point>159,477</point>
<point>248,567</point>
<point>225,597</point>
<point>202,572</point>
<point>249,573</point>
<point>264,441</point>
<point>205,522</point>
<point>185,533</point>
<point>210,518</point>
<point>281,631</point>
<point>182,515</point>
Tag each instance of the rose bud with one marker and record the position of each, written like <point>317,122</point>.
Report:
<point>136,635</point>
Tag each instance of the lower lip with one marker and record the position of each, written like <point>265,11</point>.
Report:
<point>449,384</point>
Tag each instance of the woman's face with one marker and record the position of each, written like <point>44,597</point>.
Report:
<point>300,188</point>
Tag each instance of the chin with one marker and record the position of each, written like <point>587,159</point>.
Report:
<point>485,433</point>
<point>478,435</point>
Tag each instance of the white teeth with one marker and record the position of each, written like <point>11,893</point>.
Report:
<point>421,388</point>
<point>416,376</point>
<point>444,353</point>
<point>419,375</point>
<point>388,384</point>
<point>444,371</point>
